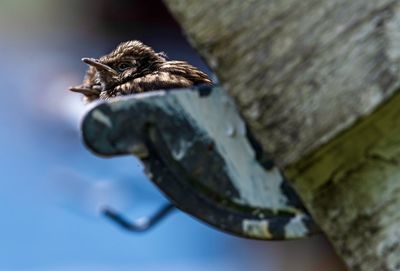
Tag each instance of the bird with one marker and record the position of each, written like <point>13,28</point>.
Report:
<point>133,67</point>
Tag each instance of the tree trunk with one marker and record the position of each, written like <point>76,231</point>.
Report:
<point>316,81</point>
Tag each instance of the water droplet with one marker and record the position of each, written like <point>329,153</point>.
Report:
<point>230,131</point>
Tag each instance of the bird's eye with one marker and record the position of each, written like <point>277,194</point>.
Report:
<point>123,66</point>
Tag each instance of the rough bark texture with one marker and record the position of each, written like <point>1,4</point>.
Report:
<point>301,72</point>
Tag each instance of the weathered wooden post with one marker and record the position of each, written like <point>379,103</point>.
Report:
<point>316,81</point>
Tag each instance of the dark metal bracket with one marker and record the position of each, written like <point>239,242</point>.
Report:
<point>197,149</point>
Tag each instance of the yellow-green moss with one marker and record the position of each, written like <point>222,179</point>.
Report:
<point>352,185</point>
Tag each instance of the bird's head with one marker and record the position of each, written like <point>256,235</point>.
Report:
<point>129,60</point>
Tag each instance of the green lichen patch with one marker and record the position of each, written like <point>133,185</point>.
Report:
<point>352,187</point>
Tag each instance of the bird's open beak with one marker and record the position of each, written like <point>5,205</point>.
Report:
<point>99,66</point>
<point>85,91</point>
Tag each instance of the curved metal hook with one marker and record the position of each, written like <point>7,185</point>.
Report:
<point>195,147</point>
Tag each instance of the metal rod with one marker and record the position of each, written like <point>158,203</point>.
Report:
<point>140,224</point>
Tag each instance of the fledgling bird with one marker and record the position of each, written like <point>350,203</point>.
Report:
<point>134,67</point>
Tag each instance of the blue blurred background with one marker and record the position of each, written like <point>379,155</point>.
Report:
<point>51,187</point>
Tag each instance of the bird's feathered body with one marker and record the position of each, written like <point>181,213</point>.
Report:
<point>134,67</point>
